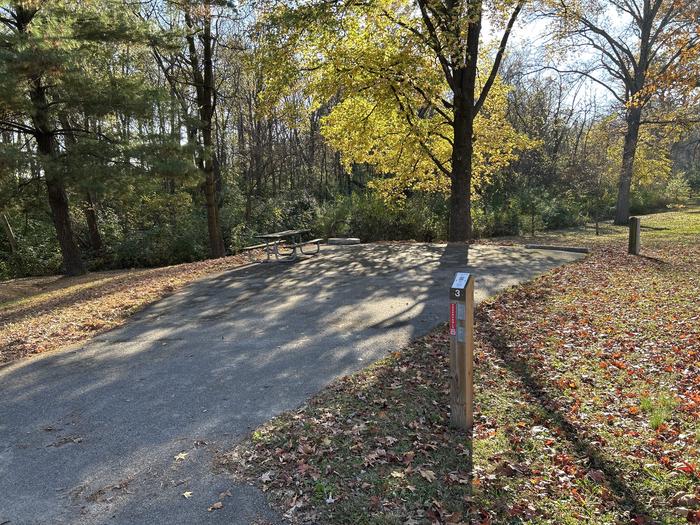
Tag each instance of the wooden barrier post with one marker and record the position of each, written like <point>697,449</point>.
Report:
<point>462,351</point>
<point>635,234</point>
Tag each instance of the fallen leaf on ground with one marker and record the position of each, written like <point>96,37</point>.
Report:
<point>428,475</point>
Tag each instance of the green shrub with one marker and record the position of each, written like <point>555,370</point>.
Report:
<point>660,194</point>
<point>333,218</point>
<point>677,190</point>
<point>276,214</point>
<point>163,245</point>
<point>496,222</point>
<point>372,220</point>
<point>693,178</point>
<point>422,217</point>
<point>37,251</point>
<point>5,270</point>
<point>560,213</point>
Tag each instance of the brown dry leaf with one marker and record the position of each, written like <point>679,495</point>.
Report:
<point>426,474</point>
<point>597,475</point>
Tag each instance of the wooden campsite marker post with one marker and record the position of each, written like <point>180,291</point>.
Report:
<point>635,234</point>
<point>462,351</point>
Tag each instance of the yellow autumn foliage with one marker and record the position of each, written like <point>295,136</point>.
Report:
<point>391,104</point>
<point>366,131</point>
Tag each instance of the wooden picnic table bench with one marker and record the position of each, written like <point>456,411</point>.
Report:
<point>287,240</point>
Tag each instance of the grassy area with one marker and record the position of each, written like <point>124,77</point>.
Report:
<point>666,225</point>
<point>587,406</point>
<point>48,313</point>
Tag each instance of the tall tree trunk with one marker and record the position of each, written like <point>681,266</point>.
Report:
<point>90,212</point>
<point>460,187</point>
<point>58,199</point>
<point>460,228</point>
<point>9,234</point>
<point>206,99</point>
<point>46,145</point>
<point>216,240</point>
<point>89,204</point>
<point>622,209</point>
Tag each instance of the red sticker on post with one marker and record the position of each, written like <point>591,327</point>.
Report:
<point>453,318</point>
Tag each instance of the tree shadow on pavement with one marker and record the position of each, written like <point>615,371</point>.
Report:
<point>209,363</point>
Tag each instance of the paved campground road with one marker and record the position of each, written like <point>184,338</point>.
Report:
<point>91,435</point>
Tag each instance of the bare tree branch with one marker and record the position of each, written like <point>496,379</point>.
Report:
<point>499,57</point>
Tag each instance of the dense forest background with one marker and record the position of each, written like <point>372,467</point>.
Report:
<point>159,132</point>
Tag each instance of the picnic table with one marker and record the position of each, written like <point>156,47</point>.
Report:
<point>287,240</point>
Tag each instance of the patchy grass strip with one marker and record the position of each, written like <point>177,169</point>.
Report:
<point>673,223</point>
<point>73,310</point>
<point>587,409</point>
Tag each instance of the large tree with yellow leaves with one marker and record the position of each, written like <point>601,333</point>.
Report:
<point>406,75</point>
